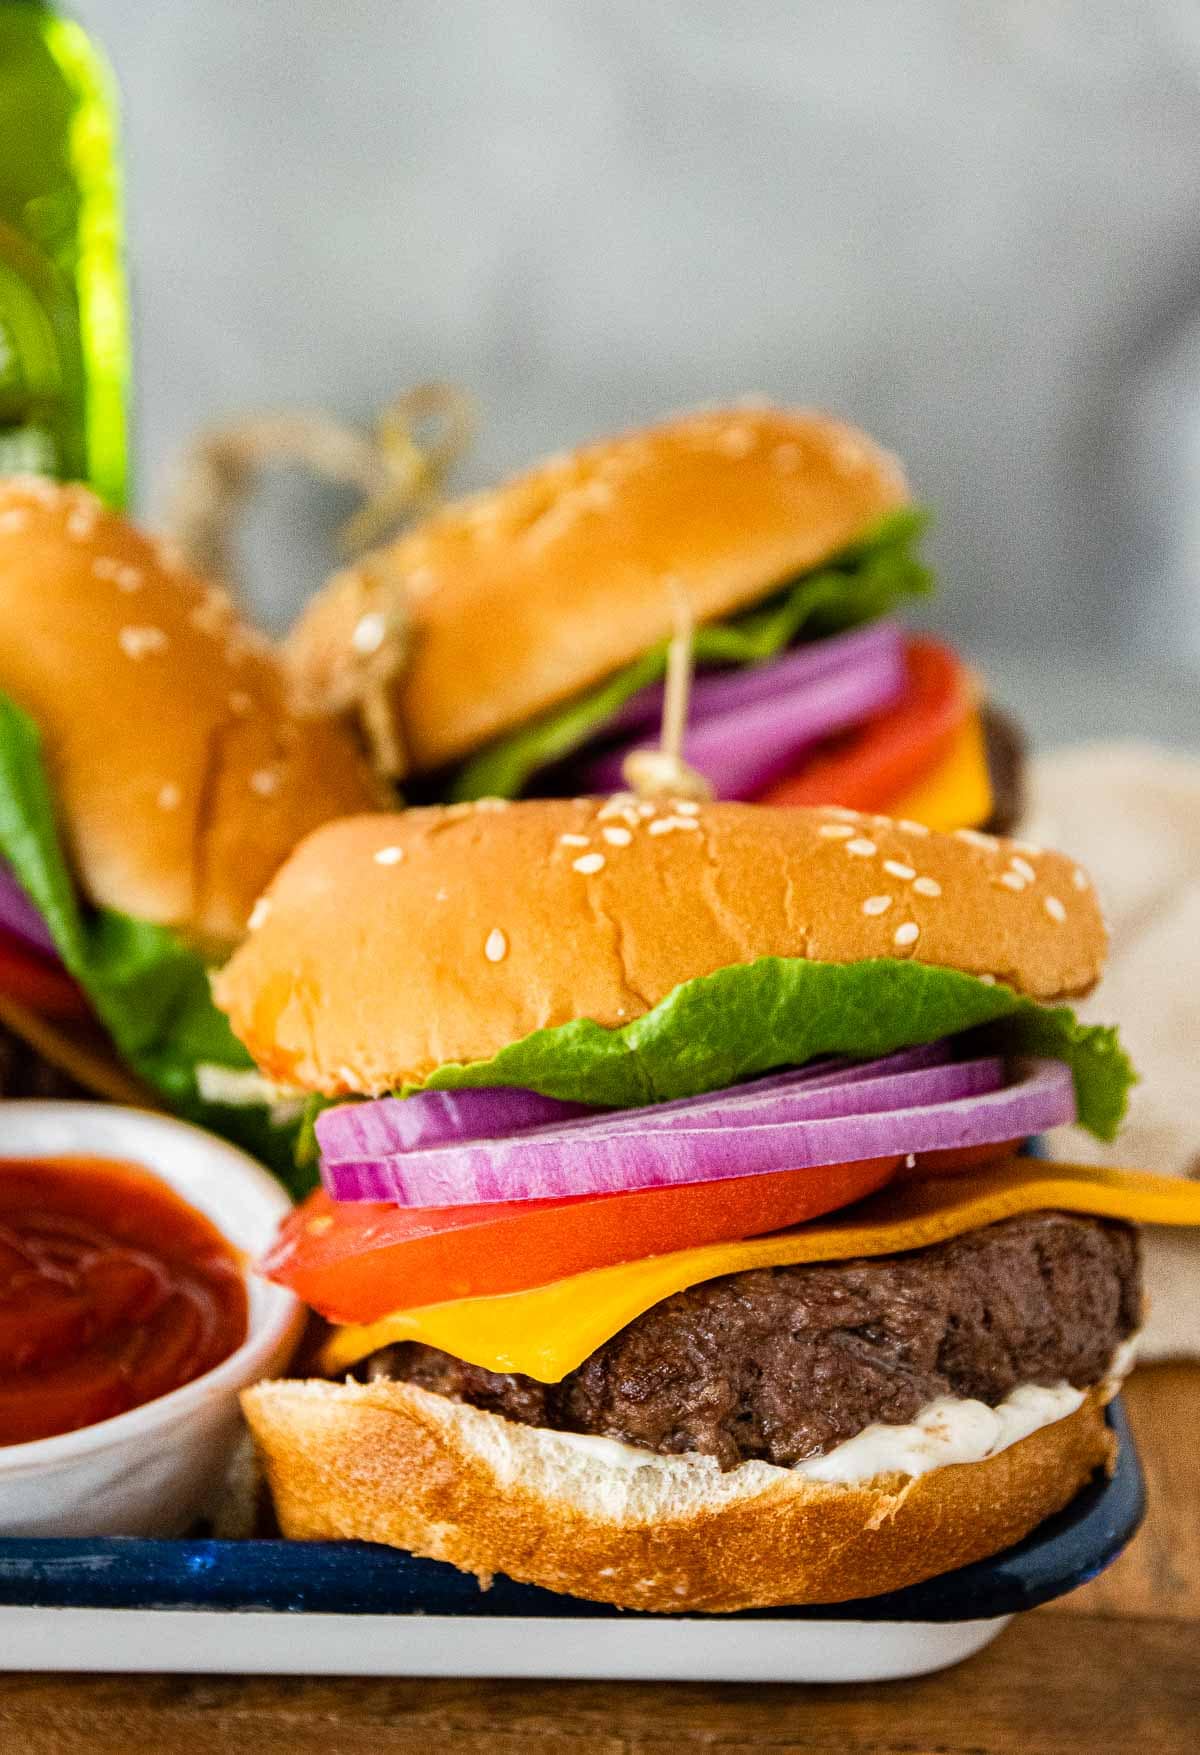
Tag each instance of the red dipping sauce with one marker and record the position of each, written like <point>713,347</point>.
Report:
<point>113,1291</point>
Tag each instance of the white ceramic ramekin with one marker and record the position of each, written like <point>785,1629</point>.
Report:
<point>152,1471</point>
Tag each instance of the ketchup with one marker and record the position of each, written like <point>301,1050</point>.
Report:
<point>112,1292</point>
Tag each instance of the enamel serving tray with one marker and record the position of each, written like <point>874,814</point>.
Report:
<point>350,1608</point>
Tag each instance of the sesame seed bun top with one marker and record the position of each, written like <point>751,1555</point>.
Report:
<point>180,776</point>
<point>527,595</point>
<point>389,945</point>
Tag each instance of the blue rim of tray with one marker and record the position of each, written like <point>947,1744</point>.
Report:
<point>360,1578</point>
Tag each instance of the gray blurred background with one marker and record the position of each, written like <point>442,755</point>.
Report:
<point>973,227</point>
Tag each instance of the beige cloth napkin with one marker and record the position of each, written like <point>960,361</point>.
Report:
<point>1131,814</point>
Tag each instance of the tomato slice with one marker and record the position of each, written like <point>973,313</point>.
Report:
<point>870,766</point>
<point>356,1261</point>
<point>38,984</point>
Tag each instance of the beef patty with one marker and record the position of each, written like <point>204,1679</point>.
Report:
<point>23,1072</point>
<point>1004,743</point>
<point>785,1363</point>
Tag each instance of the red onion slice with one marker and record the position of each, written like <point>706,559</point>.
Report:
<point>356,1131</point>
<point>20,918</point>
<point>436,1118</point>
<point>783,1130</point>
<point>741,749</point>
<point>723,691</point>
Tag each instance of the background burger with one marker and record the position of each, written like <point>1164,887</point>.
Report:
<point>692,1266</point>
<point>152,778</point>
<point>527,628</point>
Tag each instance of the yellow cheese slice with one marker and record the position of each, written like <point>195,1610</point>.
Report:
<point>958,794</point>
<point>549,1330</point>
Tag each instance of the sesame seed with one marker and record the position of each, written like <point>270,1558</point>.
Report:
<point>988,980</point>
<point>441,895</point>
<point>574,840</point>
<point>317,1227</point>
<point>240,702</point>
<point>911,828</point>
<point>894,869</point>
<point>38,487</point>
<point>170,555</point>
<point>617,837</point>
<point>1023,868</point>
<point>104,567</point>
<point>616,806</point>
<point>836,831</point>
<point>908,934</point>
<point>645,809</point>
<point>491,804</point>
<point>849,455</point>
<point>265,781</point>
<point>496,947</point>
<point>169,797</point>
<point>1012,880</point>
<point>210,616</point>
<point>1055,909</point>
<point>685,807</point>
<point>877,905</point>
<point>927,886</point>
<point>737,441</point>
<point>910,1163</point>
<point>128,578</point>
<point>369,634</point>
<point>80,525</point>
<point>1080,879</point>
<point>587,863</point>
<point>389,856</point>
<point>16,518</point>
<point>260,913</point>
<point>138,642</point>
<point>975,838</point>
<point>862,847</point>
<point>841,813</point>
<point>1027,847</point>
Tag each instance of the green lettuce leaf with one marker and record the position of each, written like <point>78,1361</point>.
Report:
<point>149,989</point>
<point>782,1011</point>
<point>861,584</point>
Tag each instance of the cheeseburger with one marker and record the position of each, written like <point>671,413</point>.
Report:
<point>515,643</point>
<point>672,1227</point>
<point>152,777</point>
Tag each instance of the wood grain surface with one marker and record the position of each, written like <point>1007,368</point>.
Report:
<point>1116,1667</point>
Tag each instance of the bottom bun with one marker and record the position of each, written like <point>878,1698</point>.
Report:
<point>388,1462</point>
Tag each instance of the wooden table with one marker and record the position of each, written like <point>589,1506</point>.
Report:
<point>1114,1668</point>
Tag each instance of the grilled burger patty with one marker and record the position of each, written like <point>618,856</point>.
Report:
<point>1004,743</point>
<point>23,1072</point>
<point>785,1363</point>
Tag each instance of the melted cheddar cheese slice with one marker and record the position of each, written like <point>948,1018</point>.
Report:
<point>548,1331</point>
<point>958,793</point>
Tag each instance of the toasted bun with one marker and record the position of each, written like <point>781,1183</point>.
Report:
<point>388,1462</point>
<point>392,944</point>
<point>182,780</point>
<point>525,596</point>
